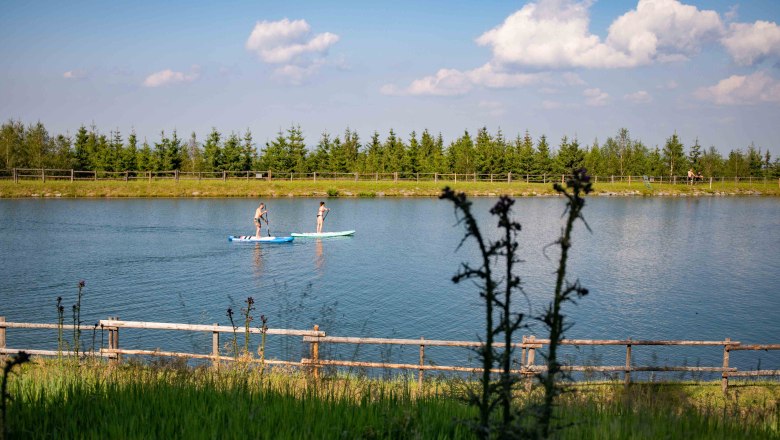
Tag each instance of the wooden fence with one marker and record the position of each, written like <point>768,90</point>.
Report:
<point>44,174</point>
<point>316,338</point>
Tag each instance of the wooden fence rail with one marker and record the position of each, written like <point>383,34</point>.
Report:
<point>526,366</point>
<point>72,175</point>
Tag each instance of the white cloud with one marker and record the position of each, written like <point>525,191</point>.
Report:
<point>285,41</point>
<point>640,97</point>
<point>595,97</point>
<point>554,34</point>
<point>453,82</point>
<point>742,90</point>
<point>74,74</point>
<point>296,75</point>
<point>752,43</point>
<point>168,77</point>
<point>669,85</point>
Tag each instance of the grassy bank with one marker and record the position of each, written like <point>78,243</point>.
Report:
<point>133,401</point>
<point>345,188</point>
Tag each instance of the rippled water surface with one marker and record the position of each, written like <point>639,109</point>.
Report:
<point>696,268</point>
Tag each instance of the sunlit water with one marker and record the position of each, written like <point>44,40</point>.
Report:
<point>656,268</point>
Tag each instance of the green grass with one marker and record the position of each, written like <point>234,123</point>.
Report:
<point>346,188</point>
<point>52,400</point>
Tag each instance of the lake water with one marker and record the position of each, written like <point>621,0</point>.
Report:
<point>657,268</point>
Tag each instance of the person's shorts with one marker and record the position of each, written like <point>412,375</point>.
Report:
<point>257,220</point>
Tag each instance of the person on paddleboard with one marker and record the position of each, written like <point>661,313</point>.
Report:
<point>321,213</point>
<point>259,213</point>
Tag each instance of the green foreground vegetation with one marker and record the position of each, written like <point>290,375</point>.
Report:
<point>347,188</point>
<point>58,399</point>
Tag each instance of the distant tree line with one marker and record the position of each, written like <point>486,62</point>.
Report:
<point>33,146</point>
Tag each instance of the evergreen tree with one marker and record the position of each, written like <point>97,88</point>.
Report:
<point>484,156</point>
<point>754,160</point>
<point>736,165</point>
<point>162,153</point>
<point>460,155</point>
<point>11,136</point>
<point>375,155</point>
<point>694,155</point>
<point>275,155</point>
<point>593,160</point>
<point>248,155</point>
<point>412,158</point>
<point>569,157</point>
<point>82,154</point>
<point>318,162</point>
<point>212,152</point>
<point>623,142</point>
<point>525,155</point>
<point>130,153</point>
<point>394,153</point>
<point>295,150</point>
<point>655,163</point>
<point>542,165</point>
<point>674,156</point>
<point>145,157</point>
<point>231,153</point>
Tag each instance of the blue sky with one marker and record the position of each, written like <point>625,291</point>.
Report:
<point>703,69</point>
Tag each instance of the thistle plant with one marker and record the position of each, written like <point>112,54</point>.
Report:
<point>578,185</point>
<point>233,324</point>
<point>247,312</point>
<point>77,319</point>
<point>261,348</point>
<point>60,324</point>
<point>496,290</point>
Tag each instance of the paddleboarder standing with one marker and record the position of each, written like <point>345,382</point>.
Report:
<point>321,213</point>
<point>259,213</point>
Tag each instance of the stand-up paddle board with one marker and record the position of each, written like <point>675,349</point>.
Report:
<point>255,239</point>
<point>321,234</point>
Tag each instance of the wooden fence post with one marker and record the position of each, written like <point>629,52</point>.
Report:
<point>176,175</point>
<point>509,177</point>
<point>43,175</point>
<point>315,353</point>
<point>224,176</point>
<point>215,346</point>
<point>395,177</point>
<point>530,359</point>
<point>436,178</point>
<point>627,376</point>
<point>422,362</point>
<point>724,383</point>
<point>150,177</point>
<point>2,337</point>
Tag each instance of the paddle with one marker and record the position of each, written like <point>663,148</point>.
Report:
<point>268,226</point>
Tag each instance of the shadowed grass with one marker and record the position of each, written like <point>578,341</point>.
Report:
<point>53,400</point>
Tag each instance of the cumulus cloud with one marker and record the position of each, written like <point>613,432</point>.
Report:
<point>742,90</point>
<point>291,44</point>
<point>284,41</point>
<point>752,43</point>
<point>554,34</point>
<point>596,97</point>
<point>640,97</point>
<point>169,77</point>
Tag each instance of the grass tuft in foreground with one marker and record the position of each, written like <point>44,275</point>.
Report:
<point>60,400</point>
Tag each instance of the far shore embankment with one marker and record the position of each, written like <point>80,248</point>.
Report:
<point>362,189</point>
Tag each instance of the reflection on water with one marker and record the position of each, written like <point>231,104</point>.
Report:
<point>258,259</point>
<point>319,259</point>
<point>644,279</point>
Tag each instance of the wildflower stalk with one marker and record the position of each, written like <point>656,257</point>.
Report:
<point>77,319</point>
<point>232,324</point>
<point>497,302</point>
<point>60,325</point>
<point>579,184</point>
<point>250,303</point>
<point>261,349</point>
